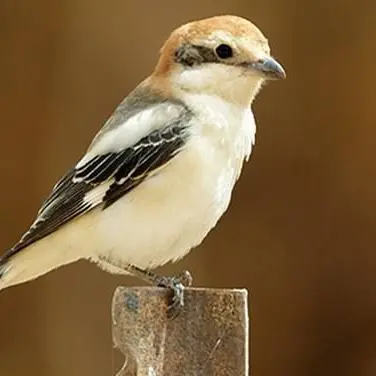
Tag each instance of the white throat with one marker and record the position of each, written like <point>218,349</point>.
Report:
<point>233,84</point>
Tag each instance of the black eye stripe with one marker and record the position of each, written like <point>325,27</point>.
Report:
<point>190,55</point>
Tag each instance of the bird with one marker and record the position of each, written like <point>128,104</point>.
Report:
<point>159,174</point>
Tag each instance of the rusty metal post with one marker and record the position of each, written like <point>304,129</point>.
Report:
<point>209,338</point>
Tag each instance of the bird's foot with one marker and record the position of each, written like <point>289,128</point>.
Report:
<point>176,284</point>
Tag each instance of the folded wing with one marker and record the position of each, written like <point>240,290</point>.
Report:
<point>104,178</point>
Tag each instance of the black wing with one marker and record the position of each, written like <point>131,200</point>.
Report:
<point>120,171</point>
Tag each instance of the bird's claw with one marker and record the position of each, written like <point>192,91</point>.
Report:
<point>185,278</point>
<point>176,302</point>
<point>176,284</point>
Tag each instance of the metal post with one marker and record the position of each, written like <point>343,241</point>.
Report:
<point>209,337</point>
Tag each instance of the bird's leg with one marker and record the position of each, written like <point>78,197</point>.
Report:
<point>175,283</point>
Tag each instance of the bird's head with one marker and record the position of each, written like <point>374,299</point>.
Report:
<point>224,55</point>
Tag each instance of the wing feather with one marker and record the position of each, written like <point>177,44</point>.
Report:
<point>105,178</point>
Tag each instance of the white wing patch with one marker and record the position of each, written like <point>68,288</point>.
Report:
<point>131,131</point>
<point>97,194</point>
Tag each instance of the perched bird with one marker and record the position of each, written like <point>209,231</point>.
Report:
<point>159,174</point>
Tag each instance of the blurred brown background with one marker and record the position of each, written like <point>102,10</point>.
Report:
<point>300,233</point>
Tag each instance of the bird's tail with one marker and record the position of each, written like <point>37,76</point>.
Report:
<point>4,267</point>
<point>62,247</point>
<point>17,269</point>
<point>6,276</point>
<point>33,261</point>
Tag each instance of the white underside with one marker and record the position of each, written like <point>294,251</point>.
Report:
<point>166,215</point>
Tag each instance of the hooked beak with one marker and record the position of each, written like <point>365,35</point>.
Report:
<point>270,68</point>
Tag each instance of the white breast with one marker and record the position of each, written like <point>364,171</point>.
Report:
<point>167,215</point>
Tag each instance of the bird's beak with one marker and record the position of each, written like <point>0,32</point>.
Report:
<point>270,68</point>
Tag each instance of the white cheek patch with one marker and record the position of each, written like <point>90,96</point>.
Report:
<point>226,81</point>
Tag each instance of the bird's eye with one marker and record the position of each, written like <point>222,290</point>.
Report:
<point>224,51</point>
